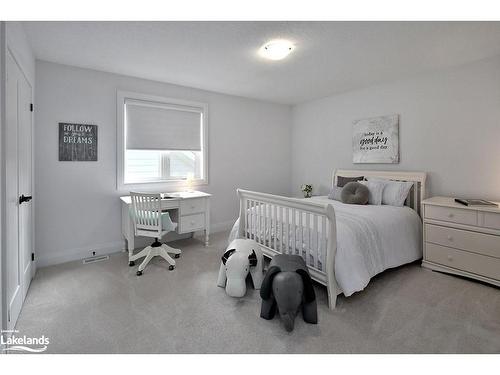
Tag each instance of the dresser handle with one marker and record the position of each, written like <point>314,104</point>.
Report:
<point>192,207</point>
<point>450,258</point>
<point>192,223</point>
<point>450,238</point>
<point>450,215</point>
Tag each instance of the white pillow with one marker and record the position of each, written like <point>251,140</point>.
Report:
<point>335,193</point>
<point>395,192</point>
<point>375,189</point>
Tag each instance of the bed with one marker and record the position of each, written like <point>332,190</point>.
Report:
<point>344,245</point>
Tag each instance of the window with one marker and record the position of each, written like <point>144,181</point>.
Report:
<point>161,141</point>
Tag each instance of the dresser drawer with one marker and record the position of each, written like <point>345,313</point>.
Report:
<point>491,220</point>
<point>463,260</point>
<point>453,215</point>
<point>192,206</point>
<point>481,243</point>
<point>190,223</point>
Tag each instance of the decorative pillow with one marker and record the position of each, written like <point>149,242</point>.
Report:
<point>335,193</point>
<point>341,181</point>
<point>376,189</point>
<point>354,193</point>
<point>395,192</point>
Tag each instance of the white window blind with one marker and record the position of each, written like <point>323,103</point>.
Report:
<point>151,126</point>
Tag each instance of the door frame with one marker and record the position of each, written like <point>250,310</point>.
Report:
<point>4,50</point>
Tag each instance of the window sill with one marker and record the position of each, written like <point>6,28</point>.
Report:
<point>162,186</point>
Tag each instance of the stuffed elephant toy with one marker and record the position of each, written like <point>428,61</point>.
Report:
<point>287,287</point>
<point>242,257</point>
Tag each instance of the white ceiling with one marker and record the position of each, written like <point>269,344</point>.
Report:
<point>330,57</point>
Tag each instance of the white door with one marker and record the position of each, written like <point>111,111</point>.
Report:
<point>25,182</point>
<point>18,182</point>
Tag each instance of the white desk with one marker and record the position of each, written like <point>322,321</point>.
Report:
<point>191,210</point>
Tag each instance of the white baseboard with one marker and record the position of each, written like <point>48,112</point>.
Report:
<point>70,255</point>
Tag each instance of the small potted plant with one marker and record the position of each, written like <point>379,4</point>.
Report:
<point>307,190</point>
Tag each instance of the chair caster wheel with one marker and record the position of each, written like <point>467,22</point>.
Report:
<point>171,268</point>
<point>138,273</point>
<point>131,264</point>
<point>177,256</point>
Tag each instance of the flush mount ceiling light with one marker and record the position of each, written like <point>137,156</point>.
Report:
<point>276,49</point>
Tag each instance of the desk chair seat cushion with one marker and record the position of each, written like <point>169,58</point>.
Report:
<point>167,225</point>
<point>166,222</point>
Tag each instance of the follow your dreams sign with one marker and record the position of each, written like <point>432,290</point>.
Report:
<point>77,142</point>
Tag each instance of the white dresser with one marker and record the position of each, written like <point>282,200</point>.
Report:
<point>191,210</point>
<point>462,240</point>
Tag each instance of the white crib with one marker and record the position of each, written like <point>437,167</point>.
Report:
<point>283,225</point>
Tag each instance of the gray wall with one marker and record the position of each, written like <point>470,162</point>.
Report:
<point>77,205</point>
<point>449,127</point>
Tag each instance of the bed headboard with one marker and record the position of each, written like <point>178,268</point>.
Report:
<point>417,192</point>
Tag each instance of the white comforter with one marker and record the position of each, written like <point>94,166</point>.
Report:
<point>370,239</point>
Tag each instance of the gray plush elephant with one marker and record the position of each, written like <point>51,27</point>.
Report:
<point>287,287</point>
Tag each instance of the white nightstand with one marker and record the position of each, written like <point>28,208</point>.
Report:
<point>462,240</point>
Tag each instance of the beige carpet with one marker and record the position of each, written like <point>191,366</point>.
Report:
<point>105,308</point>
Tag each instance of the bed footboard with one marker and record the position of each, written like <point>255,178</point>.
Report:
<point>283,225</point>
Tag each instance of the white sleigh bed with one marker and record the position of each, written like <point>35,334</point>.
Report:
<point>343,245</point>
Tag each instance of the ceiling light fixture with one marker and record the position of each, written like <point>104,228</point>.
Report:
<point>276,49</point>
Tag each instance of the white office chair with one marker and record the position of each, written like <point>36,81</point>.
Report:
<point>150,221</point>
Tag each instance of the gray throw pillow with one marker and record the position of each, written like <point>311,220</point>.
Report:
<point>335,193</point>
<point>355,193</point>
<point>341,181</point>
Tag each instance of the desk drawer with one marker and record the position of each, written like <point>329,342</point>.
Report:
<point>474,242</point>
<point>190,223</point>
<point>192,206</point>
<point>453,215</point>
<point>463,260</point>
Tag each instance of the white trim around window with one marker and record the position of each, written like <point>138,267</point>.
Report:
<point>121,98</point>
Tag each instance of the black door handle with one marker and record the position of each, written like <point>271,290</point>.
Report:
<point>24,198</point>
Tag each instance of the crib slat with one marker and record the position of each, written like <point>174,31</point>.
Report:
<point>293,250</point>
<point>256,220</point>
<point>323,237</point>
<point>249,218</point>
<point>262,223</point>
<point>316,247</point>
<point>289,211</point>
<point>252,221</point>
<point>282,236</point>
<point>275,226</point>
<point>308,231</point>
<point>266,221</point>
<point>246,217</point>
<point>301,235</point>
<point>270,228</point>
<point>259,222</point>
